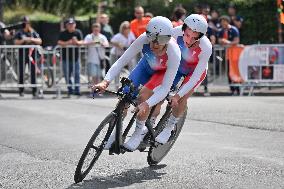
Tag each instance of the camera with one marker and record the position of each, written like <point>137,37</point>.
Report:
<point>13,27</point>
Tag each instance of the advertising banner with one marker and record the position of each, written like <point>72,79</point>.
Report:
<point>262,63</point>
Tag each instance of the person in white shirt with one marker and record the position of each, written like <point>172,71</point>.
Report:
<point>96,43</point>
<point>161,56</point>
<point>121,41</point>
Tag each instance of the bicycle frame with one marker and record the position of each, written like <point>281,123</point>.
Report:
<point>125,100</point>
<point>117,147</point>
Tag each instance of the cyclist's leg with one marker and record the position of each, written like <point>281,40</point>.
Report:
<point>177,112</point>
<point>158,106</point>
<point>141,75</point>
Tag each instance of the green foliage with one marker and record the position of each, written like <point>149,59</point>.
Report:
<point>260,16</point>
<point>57,7</point>
<point>12,15</point>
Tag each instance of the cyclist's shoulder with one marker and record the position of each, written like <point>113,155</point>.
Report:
<point>205,45</point>
<point>142,38</point>
<point>173,48</point>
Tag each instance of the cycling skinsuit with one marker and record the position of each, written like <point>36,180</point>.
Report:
<point>193,65</point>
<point>149,66</point>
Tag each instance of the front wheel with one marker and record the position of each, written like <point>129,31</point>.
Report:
<point>158,152</point>
<point>94,147</point>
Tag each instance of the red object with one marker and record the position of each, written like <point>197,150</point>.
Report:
<point>225,34</point>
<point>233,55</point>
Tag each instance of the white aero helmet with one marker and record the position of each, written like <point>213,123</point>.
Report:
<point>197,23</point>
<point>159,30</point>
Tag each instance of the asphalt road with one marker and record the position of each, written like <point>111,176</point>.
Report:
<point>227,142</point>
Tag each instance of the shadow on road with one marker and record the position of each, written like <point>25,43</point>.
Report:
<point>126,178</point>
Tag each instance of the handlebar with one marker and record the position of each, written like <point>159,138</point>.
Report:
<point>120,93</point>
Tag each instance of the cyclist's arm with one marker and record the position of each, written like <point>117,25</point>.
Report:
<point>129,54</point>
<point>174,56</point>
<point>206,50</point>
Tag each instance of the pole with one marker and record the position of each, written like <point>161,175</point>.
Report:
<point>279,4</point>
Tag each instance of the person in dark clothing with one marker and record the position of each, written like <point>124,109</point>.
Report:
<point>27,36</point>
<point>106,29</point>
<point>70,55</point>
<point>5,34</point>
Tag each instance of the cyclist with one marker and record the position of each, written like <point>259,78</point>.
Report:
<point>161,55</point>
<point>196,50</point>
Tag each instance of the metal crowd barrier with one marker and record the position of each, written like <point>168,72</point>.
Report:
<point>47,67</point>
<point>217,72</point>
<point>73,60</point>
<point>218,66</point>
<point>50,73</point>
<point>21,67</point>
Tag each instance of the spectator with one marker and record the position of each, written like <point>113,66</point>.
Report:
<point>214,22</point>
<point>96,43</point>
<point>211,34</point>
<point>27,36</point>
<point>197,8</point>
<point>121,41</point>
<point>178,16</point>
<point>149,15</point>
<point>70,55</point>
<point>236,20</point>
<point>205,10</point>
<point>229,35</point>
<point>138,25</point>
<point>4,35</point>
<point>106,29</point>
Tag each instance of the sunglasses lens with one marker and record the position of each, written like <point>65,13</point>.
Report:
<point>163,39</point>
<point>160,39</point>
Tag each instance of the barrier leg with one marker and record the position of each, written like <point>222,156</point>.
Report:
<point>251,91</point>
<point>58,92</point>
<point>241,90</point>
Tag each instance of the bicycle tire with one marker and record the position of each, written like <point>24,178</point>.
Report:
<point>158,152</point>
<point>81,174</point>
<point>48,77</point>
